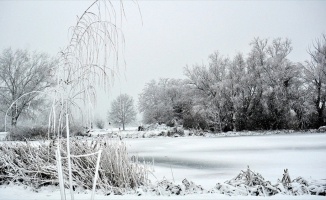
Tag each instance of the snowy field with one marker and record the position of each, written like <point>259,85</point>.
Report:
<point>207,161</point>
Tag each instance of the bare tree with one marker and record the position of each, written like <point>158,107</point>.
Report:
<point>21,73</point>
<point>122,110</point>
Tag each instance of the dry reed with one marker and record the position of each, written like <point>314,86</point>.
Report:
<point>34,164</point>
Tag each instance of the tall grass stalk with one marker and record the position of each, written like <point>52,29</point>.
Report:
<point>29,163</point>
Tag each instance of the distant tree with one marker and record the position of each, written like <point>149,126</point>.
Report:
<point>21,73</point>
<point>122,110</point>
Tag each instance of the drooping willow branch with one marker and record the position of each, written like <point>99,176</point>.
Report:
<point>93,55</point>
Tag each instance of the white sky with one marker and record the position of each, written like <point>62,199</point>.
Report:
<point>170,35</point>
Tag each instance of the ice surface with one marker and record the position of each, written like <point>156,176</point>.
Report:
<point>207,161</point>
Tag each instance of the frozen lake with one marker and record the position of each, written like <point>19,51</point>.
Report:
<point>207,161</point>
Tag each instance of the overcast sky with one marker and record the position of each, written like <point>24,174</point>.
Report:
<point>168,35</point>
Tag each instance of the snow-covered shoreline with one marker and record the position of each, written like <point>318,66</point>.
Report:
<point>15,192</point>
<point>156,130</point>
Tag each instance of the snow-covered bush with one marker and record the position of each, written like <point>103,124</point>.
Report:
<point>76,129</point>
<point>322,129</point>
<point>250,183</point>
<point>99,123</point>
<point>157,127</point>
<point>194,121</point>
<point>246,183</point>
<point>168,188</point>
<point>23,133</point>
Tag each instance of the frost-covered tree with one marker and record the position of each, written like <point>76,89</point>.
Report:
<point>209,86</point>
<point>163,101</point>
<point>315,78</point>
<point>277,76</point>
<point>22,73</point>
<point>122,110</point>
<point>150,104</point>
<point>280,74</point>
<point>236,81</point>
<point>252,113</point>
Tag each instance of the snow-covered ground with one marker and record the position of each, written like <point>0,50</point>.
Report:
<point>207,161</point>
<point>49,193</point>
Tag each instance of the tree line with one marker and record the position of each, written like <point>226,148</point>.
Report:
<point>260,91</point>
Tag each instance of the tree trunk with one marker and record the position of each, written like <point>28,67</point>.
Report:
<point>320,111</point>
<point>13,121</point>
<point>233,122</point>
<point>14,117</point>
<point>219,120</point>
<point>320,105</point>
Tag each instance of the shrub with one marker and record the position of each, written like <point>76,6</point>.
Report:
<point>99,123</point>
<point>28,133</point>
<point>194,122</point>
<point>76,130</point>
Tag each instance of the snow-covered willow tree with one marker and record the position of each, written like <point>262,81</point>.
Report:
<point>90,60</point>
